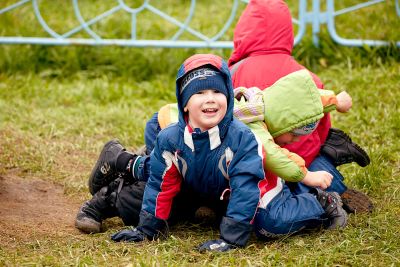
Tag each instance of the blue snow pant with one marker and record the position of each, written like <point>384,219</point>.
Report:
<point>151,131</point>
<point>322,163</point>
<point>288,213</point>
<point>295,208</point>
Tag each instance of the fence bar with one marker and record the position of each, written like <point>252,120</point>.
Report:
<point>117,42</point>
<point>349,42</point>
<point>315,18</point>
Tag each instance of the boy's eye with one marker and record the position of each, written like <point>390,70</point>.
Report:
<point>217,92</point>
<point>200,93</point>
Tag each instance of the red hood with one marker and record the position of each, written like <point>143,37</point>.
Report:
<point>265,27</point>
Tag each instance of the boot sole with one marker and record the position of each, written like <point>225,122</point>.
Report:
<point>88,226</point>
<point>366,160</point>
<point>97,165</point>
<point>364,156</point>
<point>356,202</point>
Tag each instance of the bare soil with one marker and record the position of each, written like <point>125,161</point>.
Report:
<point>33,209</point>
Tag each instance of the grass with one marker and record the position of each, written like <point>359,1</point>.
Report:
<point>59,105</point>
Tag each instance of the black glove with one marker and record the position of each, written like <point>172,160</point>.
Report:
<point>129,235</point>
<point>216,245</point>
<point>149,227</point>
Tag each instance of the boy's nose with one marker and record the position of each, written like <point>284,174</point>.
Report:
<point>210,96</point>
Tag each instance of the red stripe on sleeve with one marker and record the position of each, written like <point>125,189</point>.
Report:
<point>169,188</point>
<point>270,179</point>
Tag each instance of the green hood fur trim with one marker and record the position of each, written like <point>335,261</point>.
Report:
<point>292,102</point>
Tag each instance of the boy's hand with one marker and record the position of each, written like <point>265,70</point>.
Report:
<point>344,102</point>
<point>321,179</point>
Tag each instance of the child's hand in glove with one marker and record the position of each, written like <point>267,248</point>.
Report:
<point>129,235</point>
<point>216,245</point>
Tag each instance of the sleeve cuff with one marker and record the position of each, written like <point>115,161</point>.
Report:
<point>151,226</point>
<point>235,233</point>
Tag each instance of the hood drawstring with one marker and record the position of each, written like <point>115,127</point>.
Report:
<point>223,194</point>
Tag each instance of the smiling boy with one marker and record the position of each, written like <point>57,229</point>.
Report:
<point>208,152</point>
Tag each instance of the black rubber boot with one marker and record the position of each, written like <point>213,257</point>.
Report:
<point>110,165</point>
<point>94,211</point>
<point>340,149</point>
<point>332,204</point>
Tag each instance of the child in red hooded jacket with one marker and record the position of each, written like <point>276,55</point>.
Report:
<point>263,44</point>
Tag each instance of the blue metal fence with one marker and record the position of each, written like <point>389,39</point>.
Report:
<point>316,17</point>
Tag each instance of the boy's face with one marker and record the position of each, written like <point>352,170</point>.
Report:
<point>206,109</point>
<point>286,138</point>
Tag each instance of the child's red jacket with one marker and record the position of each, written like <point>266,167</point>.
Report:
<point>263,43</point>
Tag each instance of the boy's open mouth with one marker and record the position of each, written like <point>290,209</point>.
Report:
<point>210,110</point>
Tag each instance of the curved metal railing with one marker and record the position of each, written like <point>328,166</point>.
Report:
<point>316,17</point>
<point>332,14</point>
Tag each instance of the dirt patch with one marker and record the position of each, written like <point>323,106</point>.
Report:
<point>33,209</point>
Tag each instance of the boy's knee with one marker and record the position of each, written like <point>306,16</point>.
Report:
<point>262,233</point>
<point>271,230</point>
<point>270,226</point>
<point>277,229</point>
